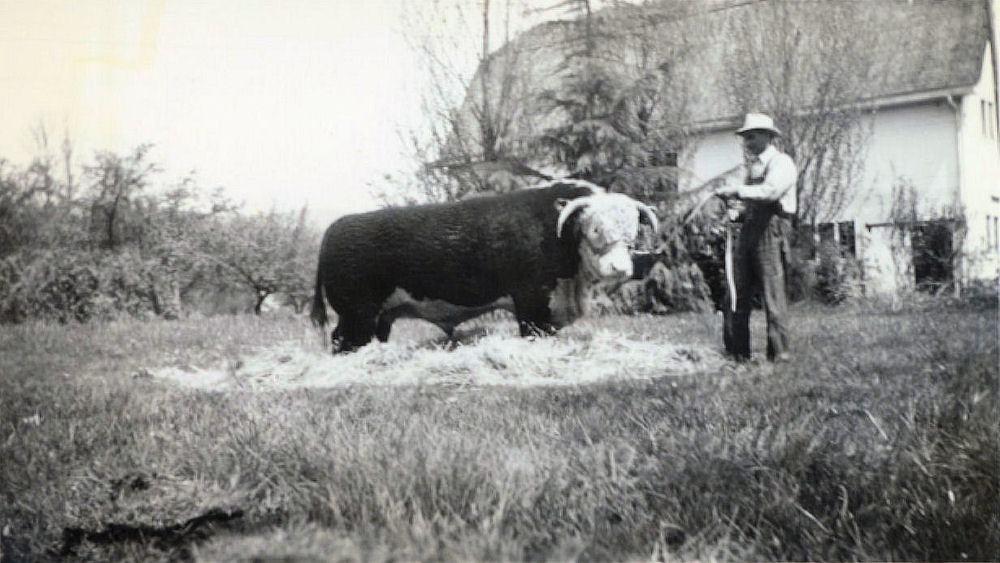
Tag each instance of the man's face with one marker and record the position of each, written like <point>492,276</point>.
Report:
<point>756,140</point>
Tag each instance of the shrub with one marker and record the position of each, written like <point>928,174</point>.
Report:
<point>837,275</point>
<point>800,278</point>
<point>676,289</point>
<point>685,274</point>
<point>66,284</point>
<point>55,284</point>
<point>831,277</point>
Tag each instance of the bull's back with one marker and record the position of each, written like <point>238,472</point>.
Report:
<point>468,252</point>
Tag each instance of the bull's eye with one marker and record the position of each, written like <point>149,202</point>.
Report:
<point>598,246</point>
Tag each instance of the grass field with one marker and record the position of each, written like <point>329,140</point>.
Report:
<point>623,438</point>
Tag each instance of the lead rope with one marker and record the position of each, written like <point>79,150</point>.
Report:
<point>730,274</point>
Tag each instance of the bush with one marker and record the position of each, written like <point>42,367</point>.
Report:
<point>676,289</point>
<point>55,284</point>
<point>685,274</point>
<point>837,276</point>
<point>66,284</point>
<point>830,278</point>
<point>800,278</point>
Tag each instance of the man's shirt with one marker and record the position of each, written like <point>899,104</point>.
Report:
<point>772,178</point>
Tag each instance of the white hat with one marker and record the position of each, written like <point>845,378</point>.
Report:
<point>758,121</point>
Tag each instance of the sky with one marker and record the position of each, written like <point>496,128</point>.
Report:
<point>280,102</point>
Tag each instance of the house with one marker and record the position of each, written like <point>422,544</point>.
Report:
<point>922,204</point>
<point>926,204</point>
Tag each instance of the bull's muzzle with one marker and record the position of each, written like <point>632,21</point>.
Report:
<point>614,264</point>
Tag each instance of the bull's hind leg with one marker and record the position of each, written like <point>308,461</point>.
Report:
<point>382,327</point>
<point>336,339</point>
<point>353,331</point>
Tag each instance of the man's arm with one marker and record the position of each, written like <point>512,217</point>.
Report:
<point>781,175</point>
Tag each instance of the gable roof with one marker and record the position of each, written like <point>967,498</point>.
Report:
<point>939,44</point>
<point>924,48</point>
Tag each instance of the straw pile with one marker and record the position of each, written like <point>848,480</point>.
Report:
<point>486,359</point>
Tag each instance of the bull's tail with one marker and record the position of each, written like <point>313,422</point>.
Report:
<point>318,312</point>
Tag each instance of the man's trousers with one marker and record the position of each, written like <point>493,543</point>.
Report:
<point>759,267</point>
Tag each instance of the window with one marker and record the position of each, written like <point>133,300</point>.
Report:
<point>659,181</point>
<point>805,241</point>
<point>982,114</point>
<point>846,230</point>
<point>663,158</point>
<point>809,239</point>
<point>827,233</point>
<point>933,257</point>
<point>988,112</point>
<point>996,243</point>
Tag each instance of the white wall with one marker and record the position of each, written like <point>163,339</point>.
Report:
<point>713,154</point>
<point>915,144</point>
<point>980,169</point>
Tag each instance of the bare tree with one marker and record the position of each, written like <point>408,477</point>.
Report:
<point>172,241</point>
<point>115,181</point>
<point>470,104</point>
<point>265,253</point>
<point>624,81</point>
<point>808,64</point>
<point>19,214</point>
<point>35,203</point>
<point>602,98</point>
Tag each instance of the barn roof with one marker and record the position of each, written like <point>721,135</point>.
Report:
<point>924,46</point>
<point>927,46</point>
<point>939,44</point>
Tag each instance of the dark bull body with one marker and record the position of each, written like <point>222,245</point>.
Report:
<point>468,257</point>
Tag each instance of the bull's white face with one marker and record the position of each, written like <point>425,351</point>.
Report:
<point>609,234</point>
<point>609,224</point>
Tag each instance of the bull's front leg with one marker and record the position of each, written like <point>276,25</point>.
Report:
<point>571,299</point>
<point>534,318</point>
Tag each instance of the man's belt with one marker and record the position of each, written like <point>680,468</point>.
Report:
<point>772,207</point>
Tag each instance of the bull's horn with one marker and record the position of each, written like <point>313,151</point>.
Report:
<point>650,215</point>
<point>568,210</point>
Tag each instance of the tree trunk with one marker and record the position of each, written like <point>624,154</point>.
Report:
<point>261,296</point>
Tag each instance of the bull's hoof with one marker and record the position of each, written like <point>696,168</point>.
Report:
<point>340,346</point>
<point>536,330</point>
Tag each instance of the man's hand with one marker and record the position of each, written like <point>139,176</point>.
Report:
<point>724,189</point>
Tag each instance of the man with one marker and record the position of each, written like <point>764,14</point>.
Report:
<point>769,199</point>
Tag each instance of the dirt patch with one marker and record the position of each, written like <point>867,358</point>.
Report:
<point>144,506</point>
<point>479,359</point>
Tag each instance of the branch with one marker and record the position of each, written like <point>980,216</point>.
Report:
<point>511,165</point>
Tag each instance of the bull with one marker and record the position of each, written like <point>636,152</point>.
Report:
<point>535,252</point>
